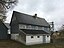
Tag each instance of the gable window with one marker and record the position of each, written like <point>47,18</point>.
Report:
<point>45,29</point>
<point>38,36</point>
<point>32,37</point>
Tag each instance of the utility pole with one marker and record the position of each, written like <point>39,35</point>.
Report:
<point>51,30</point>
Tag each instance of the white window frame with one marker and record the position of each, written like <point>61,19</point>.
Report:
<point>28,27</point>
<point>21,26</point>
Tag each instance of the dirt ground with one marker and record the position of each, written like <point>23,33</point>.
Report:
<point>14,44</point>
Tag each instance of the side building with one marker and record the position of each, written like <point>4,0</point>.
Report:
<point>3,31</point>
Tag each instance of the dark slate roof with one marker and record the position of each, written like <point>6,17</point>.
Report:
<point>29,19</point>
<point>7,25</point>
<point>28,31</point>
<point>3,24</point>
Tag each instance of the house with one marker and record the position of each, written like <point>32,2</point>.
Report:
<point>3,31</point>
<point>29,29</point>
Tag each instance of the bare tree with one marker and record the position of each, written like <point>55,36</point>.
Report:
<point>61,29</point>
<point>5,5</point>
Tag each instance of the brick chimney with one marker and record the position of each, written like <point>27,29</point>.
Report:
<point>35,16</point>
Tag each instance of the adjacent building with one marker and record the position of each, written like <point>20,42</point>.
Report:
<point>3,31</point>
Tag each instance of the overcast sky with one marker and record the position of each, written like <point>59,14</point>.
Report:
<point>51,10</point>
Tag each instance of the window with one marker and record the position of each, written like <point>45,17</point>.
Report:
<point>46,29</point>
<point>47,35</point>
<point>36,27</point>
<point>33,27</point>
<point>22,26</point>
<point>39,28</point>
<point>38,36</point>
<point>42,28</point>
<point>9,31</point>
<point>28,26</point>
<point>31,36</point>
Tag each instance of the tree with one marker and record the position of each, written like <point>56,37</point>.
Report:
<point>61,31</point>
<point>5,5</point>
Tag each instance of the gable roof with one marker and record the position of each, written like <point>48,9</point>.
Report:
<point>29,31</point>
<point>3,24</point>
<point>29,19</point>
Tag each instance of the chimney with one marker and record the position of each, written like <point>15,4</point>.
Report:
<point>35,16</point>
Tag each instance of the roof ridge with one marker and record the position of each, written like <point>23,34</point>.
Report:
<point>28,14</point>
<point>22,13</point>
<point>29,19</point>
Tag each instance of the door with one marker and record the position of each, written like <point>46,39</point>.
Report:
<point>44,38</point>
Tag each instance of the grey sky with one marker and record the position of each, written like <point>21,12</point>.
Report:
<point>51,10</point>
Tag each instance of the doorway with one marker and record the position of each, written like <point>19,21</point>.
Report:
<point>44,38</point>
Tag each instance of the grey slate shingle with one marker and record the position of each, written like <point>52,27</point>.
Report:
<point>29,19</point>
<point>29,31</point>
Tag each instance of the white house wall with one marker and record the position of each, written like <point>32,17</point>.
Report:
<point>34,40</point>
<point>29,40</point>
<point>48,39</point>
<point>14,36</point>
<point>17,37</point>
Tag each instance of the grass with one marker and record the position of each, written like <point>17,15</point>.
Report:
<point>14,44</point>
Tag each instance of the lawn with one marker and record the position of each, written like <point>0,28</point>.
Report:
<point>14,44</point>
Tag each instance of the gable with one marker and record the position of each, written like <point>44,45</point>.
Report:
<point>2,25</point>
<point>13,19</point>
